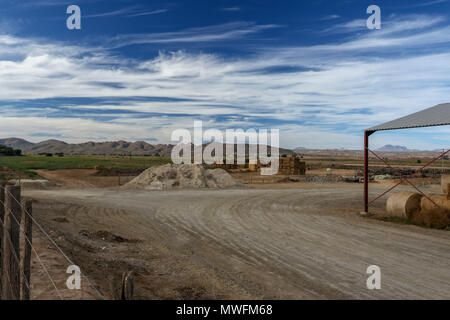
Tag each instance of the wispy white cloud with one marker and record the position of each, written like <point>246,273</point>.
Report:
<point>131,11</point>
<point>118,12</point>
<point>428,3</point>
<point>393,24</point>
<point>331,17</point>
<point>329,93</point>
<point>231,9</point>
<point>222,32</point>
<point>147,13</point>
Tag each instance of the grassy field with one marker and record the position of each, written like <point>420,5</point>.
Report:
<point>34,162</point>
<point>27,163</point>
<point>341,162</point>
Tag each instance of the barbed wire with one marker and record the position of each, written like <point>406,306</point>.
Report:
<point>35,252</point>
<point>55,244</point>
<point>14,255</point>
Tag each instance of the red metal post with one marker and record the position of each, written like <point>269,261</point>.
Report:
<point>366,170</point>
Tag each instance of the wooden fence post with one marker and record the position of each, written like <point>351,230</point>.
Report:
<point>128,286</point>
<point>123,288</point>
<point>27,242</point>
<point>2,219</point>
<point>11,244</point>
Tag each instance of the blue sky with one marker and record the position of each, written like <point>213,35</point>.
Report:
<point>137,70</point>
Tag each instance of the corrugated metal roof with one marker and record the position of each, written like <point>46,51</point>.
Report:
<point>435,116</point>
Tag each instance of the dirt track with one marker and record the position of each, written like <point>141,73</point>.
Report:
<point>267,243</point>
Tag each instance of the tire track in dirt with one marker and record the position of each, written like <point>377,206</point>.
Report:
<point>281,243</point>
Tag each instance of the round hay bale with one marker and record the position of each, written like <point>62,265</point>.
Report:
<point>445,183</point>
<point>439,199</point>
<point>403,204</point>
<point>99,167</point>
<point>432,215</point>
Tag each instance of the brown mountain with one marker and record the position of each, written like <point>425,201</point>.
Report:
<point>137,148</point>
<point>16,143</point>
<point>87,148</point>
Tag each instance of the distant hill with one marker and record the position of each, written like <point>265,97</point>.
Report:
<point>16,143</point>
<point>87,148</point>
<point>391,148</point>
<point>102,148</point>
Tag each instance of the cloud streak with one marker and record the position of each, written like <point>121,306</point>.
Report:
<point>321,95</point>
<point>215,33</point>
<point>147,13</point>
<point>111,13</point>
<point>231,9</point>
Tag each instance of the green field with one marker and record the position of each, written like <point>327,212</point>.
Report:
<point>344,162</point>
<point>26,163</point>
<point>35,162</point>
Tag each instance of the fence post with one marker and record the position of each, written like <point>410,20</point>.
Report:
<point>27,242</point>
<point>11,244</point>
<point>128,286</point>
<point>2,219</point>
<point>123,288</point>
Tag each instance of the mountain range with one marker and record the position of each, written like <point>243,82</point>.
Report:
<point>89,148</point>
<point>391,148</point>
<point>138,148</point>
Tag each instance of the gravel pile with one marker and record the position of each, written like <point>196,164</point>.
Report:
<point>171,176</point>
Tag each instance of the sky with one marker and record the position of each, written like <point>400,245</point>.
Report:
<point>138,70</point>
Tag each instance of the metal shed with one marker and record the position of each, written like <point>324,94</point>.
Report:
<point>435,116</point>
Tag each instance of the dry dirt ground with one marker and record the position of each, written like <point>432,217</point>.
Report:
<point>76,178</point>
<point>297,241</point>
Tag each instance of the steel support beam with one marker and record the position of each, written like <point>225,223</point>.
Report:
<point>366,170</point>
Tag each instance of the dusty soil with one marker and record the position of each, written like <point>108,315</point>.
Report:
<point>301,241</point>
<point>76,178</point>
<point>342,172</point>
<point>52,265</point>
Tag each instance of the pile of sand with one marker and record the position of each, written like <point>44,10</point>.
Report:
<point>171,176</point>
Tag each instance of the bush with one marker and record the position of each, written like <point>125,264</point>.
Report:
<point>30,174</point>
<point>7,151</point>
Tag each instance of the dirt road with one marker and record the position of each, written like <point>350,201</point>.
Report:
<point>291,243</point>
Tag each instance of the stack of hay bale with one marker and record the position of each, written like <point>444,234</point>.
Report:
<point>432,210</point>
<point>225,166</point>
<point>292,166</point>
<point>287,165</point>
<point>253,166</point>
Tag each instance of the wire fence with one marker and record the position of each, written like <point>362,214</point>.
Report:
<point>16,224</point>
